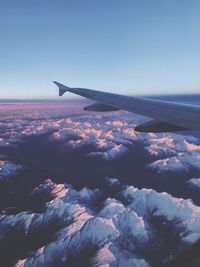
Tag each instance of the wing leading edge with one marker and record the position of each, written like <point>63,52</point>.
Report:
<point>167,116</point>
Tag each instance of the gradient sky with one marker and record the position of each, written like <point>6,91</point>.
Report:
<point>124,46</point>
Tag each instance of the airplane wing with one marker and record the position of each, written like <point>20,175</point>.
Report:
<point>166,116</point>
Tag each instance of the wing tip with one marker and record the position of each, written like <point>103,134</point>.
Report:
<point>62,88</point>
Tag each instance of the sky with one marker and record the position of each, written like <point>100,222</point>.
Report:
<point>133,47</point>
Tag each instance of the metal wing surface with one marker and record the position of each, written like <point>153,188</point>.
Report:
<point>167,116</point>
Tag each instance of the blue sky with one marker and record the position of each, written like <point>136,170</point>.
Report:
<point>125,46</point>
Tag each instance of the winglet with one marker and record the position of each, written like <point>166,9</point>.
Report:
<point>62,88</point>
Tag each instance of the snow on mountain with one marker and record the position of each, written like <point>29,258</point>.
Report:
<point>122,230</point>
<point>181,213</point>
<point>194,183</point>
<point>173,153</point>
<point>111,255</point>
<point>8,168</point>
<point>182,162</point>
<point>110,136</point>
<point>113,153</point>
